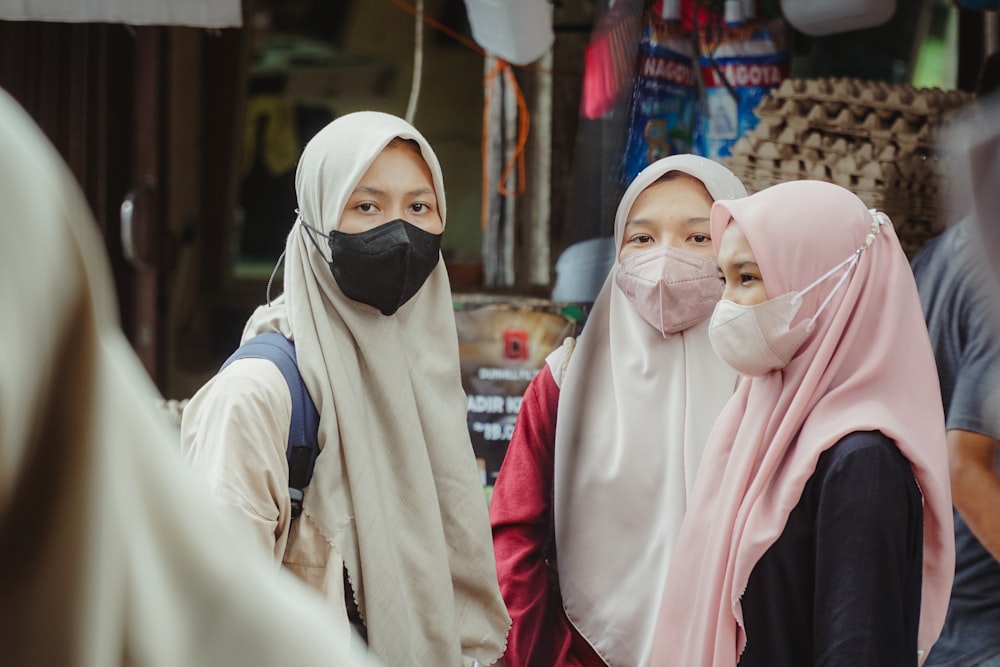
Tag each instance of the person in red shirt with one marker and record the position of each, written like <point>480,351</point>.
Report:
<point>634,399</point>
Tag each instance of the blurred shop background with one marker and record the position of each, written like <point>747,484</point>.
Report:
<point>183,121</point>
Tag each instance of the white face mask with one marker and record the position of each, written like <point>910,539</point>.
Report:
<point>755,340</point>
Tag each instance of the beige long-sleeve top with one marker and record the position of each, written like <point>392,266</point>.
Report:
<point>235,432</point>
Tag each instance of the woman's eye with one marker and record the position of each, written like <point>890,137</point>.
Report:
<point>642,238</point>
<point>701,238</point>
<point>747,278</point>
<point>419,207</point>
<point>366,207</point>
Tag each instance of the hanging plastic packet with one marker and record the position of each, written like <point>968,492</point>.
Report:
<point>610,59</point>
<point>740,64</point>
<point>663,110</point>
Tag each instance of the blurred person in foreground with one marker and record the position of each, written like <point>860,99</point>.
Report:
<point>961,303</point>
<point>110,553</point>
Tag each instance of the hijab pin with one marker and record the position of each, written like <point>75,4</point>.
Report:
<point>878,219</point>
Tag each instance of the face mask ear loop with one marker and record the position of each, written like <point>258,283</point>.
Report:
<point>810,286</point>
<point>852,261</point>
<point>310,230</point>
<point>878,219</point>
<point>267,293</point>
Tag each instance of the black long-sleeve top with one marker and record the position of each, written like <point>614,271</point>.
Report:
<point>841,585</point>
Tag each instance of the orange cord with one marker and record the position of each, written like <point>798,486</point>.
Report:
<point>523,117</point>
<point>523,128</point>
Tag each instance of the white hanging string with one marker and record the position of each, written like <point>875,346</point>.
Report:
<point>418,62</point>
<point>267,293</point>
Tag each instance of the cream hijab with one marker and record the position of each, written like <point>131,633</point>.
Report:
<point>868,365</point>
<point>395,488</point>
<point>634,411</point>
<point>110,552</point>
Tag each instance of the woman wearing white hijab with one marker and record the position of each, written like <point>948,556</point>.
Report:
<point>110,553</point>
<point>634,404</point>
<point>395,506</point>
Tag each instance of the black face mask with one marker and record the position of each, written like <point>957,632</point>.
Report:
<point>384,266</point>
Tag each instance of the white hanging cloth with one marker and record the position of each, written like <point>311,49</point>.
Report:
<point>196,13</point>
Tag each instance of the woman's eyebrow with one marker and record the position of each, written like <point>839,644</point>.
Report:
<point>637,222</point>
<point>743,265</point>
<point>699,220</point>
<point>369,190</point>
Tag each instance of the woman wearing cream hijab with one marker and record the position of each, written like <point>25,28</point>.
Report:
<point>823,534</point>
<point>395,507</point>
<point>610,435</point>
<point>110,553</point>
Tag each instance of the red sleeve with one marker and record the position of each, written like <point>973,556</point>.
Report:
<point>520,513</point>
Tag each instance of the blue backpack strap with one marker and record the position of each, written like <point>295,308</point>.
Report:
<point>303,446</point>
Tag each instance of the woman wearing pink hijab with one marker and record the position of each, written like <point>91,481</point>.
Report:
<point>823,530</point>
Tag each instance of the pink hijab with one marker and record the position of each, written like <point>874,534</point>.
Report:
<point>867,366</point>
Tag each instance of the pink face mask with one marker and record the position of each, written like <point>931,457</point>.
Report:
<point>671,289</point>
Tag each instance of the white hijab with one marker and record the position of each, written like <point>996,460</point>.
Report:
<point>395,489</point>
<point>110,552</point>
<point>635,409</point>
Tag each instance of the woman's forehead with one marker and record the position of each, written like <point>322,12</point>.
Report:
<point>734,248</point>
<point>683,187</point>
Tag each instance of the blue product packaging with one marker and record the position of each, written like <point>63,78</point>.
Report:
<point>662,114</point>
<point>752,65</point>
